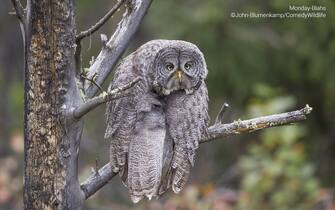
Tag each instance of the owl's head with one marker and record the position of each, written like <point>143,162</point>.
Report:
<point>179,66</point>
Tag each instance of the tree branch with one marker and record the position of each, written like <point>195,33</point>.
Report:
<point>100,23</point>
<point>19,10</point>
<point>114,48</point>
<point>92,103</point>
<point>219,130</point>
<point>95,182</point>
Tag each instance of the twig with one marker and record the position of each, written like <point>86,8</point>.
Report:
<point>100,23</point>
<point>109,55</point>
<point>90,31</point>
<point>96,168</point>
<point>19,10</point>
<point>93,183</point>
<point>219,118</point>
<point>92,81</point>
<point>92,103</point>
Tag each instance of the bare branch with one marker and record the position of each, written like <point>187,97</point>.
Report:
<point>90,31</point>
<point>219,118</point>
<point>19,10</point>
<point>92,103</point>
<point>110,54</point>
<point>94,183</point>
<point>100,23</point>
<point>247,126</point>
<point>97,180</point>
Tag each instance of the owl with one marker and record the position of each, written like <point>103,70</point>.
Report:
<point>156,129</point>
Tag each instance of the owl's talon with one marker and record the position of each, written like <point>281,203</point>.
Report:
<point>189,91</point>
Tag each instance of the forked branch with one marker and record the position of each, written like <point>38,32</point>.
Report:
<point>105,97</point>
<point>116,45</point>
<point>91,30</point>
<point>218,130</point>
<point>100,23</point>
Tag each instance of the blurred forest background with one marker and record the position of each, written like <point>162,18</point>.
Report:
<point>258,66</point>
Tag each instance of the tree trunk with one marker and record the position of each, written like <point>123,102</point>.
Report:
<point>51,140</point>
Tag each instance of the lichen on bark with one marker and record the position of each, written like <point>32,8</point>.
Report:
<point>49,176</point>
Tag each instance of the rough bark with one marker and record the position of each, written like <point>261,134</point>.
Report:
<point>51,141</point>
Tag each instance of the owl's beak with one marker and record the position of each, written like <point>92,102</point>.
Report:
<point>179,75</point>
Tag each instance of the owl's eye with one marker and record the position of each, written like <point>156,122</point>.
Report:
<point>187,66</point>
<point>169,66</point>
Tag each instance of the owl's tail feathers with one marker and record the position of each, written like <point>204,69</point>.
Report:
<point>182,166</point>
<point>140,187</point>
<point>144,167</point>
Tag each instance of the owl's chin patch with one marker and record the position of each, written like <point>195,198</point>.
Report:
<point>168,92</point>
<point>161,90</point>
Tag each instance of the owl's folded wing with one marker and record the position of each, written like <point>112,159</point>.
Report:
<point>136,127</point>
<point>187,119</point>
<point>121,117</point>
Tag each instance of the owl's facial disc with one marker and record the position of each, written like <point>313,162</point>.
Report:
<point>178,70</point>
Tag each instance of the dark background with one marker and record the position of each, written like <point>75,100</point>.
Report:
<point>259,66</point>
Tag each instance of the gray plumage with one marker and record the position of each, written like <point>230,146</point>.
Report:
<point>156,129</point>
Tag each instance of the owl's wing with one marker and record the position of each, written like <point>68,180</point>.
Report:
<point>121,117</point>
<point>187,120</point>
<point>136,126</point>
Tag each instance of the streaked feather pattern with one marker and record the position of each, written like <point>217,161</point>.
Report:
<point>154,136</point>
<point>187,120</point>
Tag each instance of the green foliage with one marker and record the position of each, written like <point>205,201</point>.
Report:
<point>275,172</point>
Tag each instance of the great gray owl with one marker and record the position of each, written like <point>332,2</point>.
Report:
<point>156,129</point>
